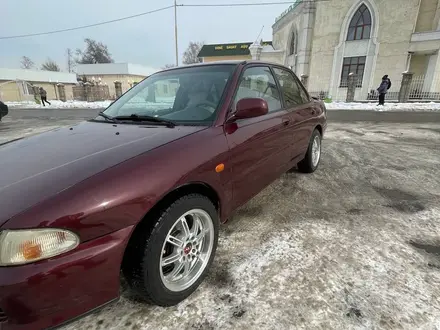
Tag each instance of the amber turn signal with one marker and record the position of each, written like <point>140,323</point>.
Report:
<point>220,167</point>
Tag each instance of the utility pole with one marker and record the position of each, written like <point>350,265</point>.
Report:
<point>175,32</point>
<point>69,60</point>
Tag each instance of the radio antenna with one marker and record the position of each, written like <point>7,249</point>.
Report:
<point>259,34</point>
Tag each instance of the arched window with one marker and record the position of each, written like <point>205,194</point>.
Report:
<point>360,25</point>
<point>292,45</point>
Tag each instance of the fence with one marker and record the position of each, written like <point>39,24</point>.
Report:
<point>91,93</point>
<point>407,88</point>
<point>422,88</point>
<point>425,87</point>
<point>319,89</point>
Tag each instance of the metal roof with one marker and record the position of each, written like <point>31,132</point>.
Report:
<point>37,76</point>
<point>114,69</point>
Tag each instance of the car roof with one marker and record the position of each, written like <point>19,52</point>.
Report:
<point>229,62</point>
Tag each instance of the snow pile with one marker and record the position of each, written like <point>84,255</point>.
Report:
<point>164,102</point>
<point>135,102</point>
<point>55,104</point>
<point>387,107</point>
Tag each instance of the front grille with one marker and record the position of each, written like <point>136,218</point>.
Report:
<point>3,317</point>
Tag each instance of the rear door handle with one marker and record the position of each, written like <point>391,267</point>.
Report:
<point>313,111</point>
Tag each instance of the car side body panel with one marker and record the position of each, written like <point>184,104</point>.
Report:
<point>260,151</point>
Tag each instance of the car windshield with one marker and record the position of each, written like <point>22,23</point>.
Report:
<point>182,96</point>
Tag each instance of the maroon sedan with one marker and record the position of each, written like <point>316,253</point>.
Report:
<point>142,188</point>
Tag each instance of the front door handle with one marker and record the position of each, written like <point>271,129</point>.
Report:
<point>286,122</point>
<point>313,111</point>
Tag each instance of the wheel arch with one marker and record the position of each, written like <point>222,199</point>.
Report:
<point>319,128</point>
<point>146,224</point>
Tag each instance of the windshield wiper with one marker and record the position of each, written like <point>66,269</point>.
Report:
<point>135,117</point>
<point>107,117</point>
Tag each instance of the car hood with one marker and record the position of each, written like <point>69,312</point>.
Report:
<point>37,167</point>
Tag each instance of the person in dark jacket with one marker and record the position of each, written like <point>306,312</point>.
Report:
<point>385,85</point>
<point>43,95</point>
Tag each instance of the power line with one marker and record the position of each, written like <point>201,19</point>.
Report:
<point>86,26</point>
<point>244,4</point>
<point>149,12</point>
<point>239,4</point>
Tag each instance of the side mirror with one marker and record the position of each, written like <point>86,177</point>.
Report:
<point>250,108</point>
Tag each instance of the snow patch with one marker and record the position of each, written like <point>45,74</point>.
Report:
<point>431,106</point>
<point>55,104</point>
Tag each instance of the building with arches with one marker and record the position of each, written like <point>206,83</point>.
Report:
<point>328,39</point>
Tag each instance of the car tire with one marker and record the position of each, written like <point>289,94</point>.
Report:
<point>313,155</point>
<point>147,263</point>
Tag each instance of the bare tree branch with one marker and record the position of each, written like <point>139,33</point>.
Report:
<point>168,66</point>
<point>26,63</point>
<point>50,65</point>
<point>190,55</point>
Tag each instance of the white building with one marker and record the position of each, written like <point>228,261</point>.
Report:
<point>16,84</point>
<point>327,40</point>
<point>107,73</point>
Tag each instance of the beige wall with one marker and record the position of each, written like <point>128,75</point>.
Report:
<point>388,52</point>
<point>273,57</point>
<point>395,32</point>
<point>282,37</point>
<point>427,16</point>
<point>110,81</point>
<point>13,92</point>
<point>328,24</point>
<point>226,58</point>
<point>418,65</point>
<point>436,22</point>
<point>394,23</point>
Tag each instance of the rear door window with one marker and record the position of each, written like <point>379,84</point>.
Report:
<point>293,92</point>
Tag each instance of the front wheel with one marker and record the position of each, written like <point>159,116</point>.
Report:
<point>311,161</point>
<point>169,263</point>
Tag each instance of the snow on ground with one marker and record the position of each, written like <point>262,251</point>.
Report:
<point>166,102</point>
<point>55,104</point>
<point>353,246</point>
<point>161,102</point>
<point>387,107</point>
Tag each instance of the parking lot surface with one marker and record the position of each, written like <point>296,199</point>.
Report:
<point>355,245</point>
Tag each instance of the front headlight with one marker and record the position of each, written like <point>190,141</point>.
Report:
<point>19,247</point>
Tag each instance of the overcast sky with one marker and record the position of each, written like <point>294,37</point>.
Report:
<point>146,40</point>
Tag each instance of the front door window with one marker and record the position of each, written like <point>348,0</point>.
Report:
<point>258,82</point>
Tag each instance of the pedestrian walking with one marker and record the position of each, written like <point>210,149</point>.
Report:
<point>385,85</point>
<point>43,95</point>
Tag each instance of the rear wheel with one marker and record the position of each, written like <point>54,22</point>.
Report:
<point>167,264</point>
<point>311,161</point>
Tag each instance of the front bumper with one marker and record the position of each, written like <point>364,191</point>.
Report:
<point>50,292</point>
